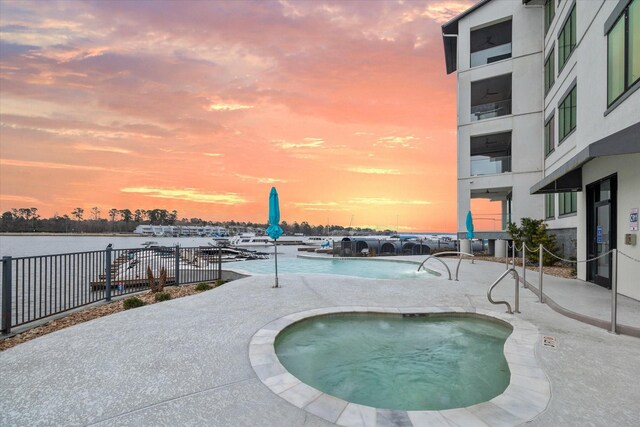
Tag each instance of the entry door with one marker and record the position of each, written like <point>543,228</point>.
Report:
<point>601,232</point>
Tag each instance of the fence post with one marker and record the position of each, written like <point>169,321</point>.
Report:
<point>107,273</point>
<point>219,263</point>
<point>177,269</point>
<point>524,265</point>
<point>506,253</point>
<point>614,289</point>
<point>540,257</point>
<point>6,295</point>
<point>517,292</point>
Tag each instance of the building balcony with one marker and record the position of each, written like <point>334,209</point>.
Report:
<point>491,97</point>
<point>491,43</point>
<point>490,154</point>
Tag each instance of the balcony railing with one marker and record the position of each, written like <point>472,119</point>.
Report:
<point>491,222</point>
<point>490,110</point>
<point>487,56</point>
<point>485,165</point>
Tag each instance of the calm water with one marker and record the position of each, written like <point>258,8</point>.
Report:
<point>17,246</point>
<point>394,362</point>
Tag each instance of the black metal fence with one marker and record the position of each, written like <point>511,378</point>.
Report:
<point>40,286</point>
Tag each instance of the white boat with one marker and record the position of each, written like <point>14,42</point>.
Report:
<point>250,240</point>
<point>316,241</point>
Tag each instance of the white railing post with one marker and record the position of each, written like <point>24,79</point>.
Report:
<point>540,257</point>
<point>506,254</point>
<point>524,265</point>
<point>614,289</point>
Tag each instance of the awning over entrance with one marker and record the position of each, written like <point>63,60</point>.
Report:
<point>568,177</point>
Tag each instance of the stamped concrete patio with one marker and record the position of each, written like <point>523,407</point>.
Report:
<point>186,362</point>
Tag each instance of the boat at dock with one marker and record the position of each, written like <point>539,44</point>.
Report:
<point>250,240</point>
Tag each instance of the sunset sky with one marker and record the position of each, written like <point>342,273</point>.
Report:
<point>203,106</point>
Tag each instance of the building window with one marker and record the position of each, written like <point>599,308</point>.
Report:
<point>568,203</point>
<point>549,71</point>
<point>550,206</point>
<point>567,114</point>
<point>491,154</point>
<point>491,44</point>
<point>567,39</point>
<point>549,13</point>
<point>491,97</point>
<point>549,136</point>
<point>623,56</point>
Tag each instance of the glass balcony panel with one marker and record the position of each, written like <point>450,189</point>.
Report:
<point>487,56</point>
<point>490,110</point>
<point>485,165</point>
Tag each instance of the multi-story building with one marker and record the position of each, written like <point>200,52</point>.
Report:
<point>495,49</point>
<point>572,133</point>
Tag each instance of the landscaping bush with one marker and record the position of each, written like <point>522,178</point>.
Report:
<point>163,280</point>
<point>162,296</point>
<point>218,282</point>
<point>534,232</point>
<point>157,285</point>
<point>132,302</point>
<point>203,287</point>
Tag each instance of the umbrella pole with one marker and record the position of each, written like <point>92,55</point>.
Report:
<point>275,244</point>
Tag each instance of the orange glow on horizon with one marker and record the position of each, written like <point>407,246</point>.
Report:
<point>346,109</point>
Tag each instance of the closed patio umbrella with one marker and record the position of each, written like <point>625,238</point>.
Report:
<point>469,225</point>
<point>470,231</point>
<point>274,231</point>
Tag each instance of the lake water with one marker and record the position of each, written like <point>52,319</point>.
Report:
<point>19,246</point>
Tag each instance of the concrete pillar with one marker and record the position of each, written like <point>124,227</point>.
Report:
<point>465,245</point>
<point>500,248</point>
<point>492,247</point>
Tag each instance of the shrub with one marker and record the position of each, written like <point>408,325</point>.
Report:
<point>162,296</point>
<point>157,285</point>
<point>533,232</point>
<point>218,282</point>
<point>151,279</point>
<point>132,302</point>
<point>203,287</point>
<point>163,280</point>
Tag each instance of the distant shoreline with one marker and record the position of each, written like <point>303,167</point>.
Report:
<point>73,234</point>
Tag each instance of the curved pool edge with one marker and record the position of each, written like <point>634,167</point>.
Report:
<point>526,396</point>
<point>436,273</point>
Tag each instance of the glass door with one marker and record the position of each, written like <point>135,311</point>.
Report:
<point>601,204</point>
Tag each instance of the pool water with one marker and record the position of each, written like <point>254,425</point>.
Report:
<point>395,362</point>
<point>352,267</point>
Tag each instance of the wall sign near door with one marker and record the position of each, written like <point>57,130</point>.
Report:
<point>599,239</point>
<point>633,220</point>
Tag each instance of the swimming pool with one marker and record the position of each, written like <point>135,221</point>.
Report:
<point>410,363</point>
<point>372,269</point>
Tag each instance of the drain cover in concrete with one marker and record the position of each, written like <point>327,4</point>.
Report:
<point>548,341</point>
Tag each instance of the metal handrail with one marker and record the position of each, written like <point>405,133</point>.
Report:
<point>517,296</point>
<point>434,257</point>
<point>447,253</point>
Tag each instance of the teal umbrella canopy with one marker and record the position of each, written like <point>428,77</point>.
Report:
<point>469,225</point>
<point>274,231</point>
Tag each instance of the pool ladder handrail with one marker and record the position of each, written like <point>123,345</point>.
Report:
<point>435,256</point>
<point>517,295</point>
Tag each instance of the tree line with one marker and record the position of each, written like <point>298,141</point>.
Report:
<point>27,220</point>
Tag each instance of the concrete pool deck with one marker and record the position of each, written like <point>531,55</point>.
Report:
<point>186,361</point>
